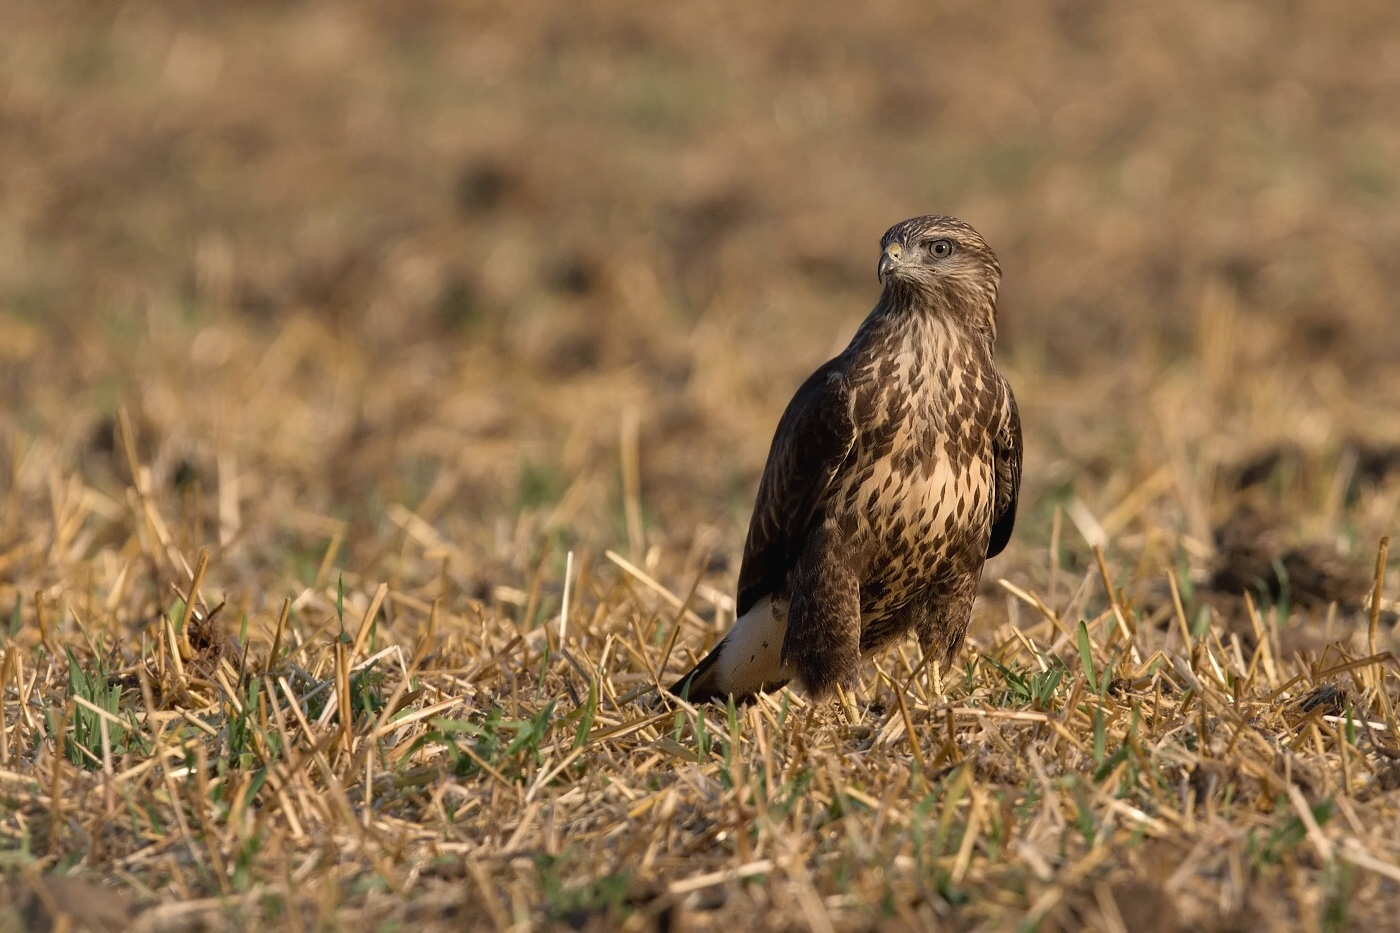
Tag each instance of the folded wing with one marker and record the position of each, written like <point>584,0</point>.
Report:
<point>814,438</point>
<point>1006,453</point>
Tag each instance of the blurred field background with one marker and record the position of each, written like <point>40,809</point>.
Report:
<point>430,296</point>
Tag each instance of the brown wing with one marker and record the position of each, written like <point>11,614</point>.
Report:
<point>813,440</point>
<point>1006,451</point>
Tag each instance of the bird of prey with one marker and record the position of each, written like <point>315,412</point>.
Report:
<point>892,478</point>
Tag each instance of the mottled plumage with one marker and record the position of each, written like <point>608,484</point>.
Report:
<point>892,477</point>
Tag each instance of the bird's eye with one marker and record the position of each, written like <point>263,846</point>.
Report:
<point>941,248</point>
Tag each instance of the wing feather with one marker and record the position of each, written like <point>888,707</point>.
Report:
<point>1006,451</point>
<point>814,438</point>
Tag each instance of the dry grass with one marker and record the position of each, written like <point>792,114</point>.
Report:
<point>1109,753</point>
<point>384,393</point>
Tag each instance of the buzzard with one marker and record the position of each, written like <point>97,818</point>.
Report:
<point>892,478</point>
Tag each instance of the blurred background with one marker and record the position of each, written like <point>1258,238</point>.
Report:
<point>540,272</point>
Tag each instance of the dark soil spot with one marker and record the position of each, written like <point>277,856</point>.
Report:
<point>484,187</point>
<point>1254,558</point>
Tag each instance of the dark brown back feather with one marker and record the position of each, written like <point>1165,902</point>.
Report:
<point>813,439</point>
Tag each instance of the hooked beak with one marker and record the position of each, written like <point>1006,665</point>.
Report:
<point>888,260</point>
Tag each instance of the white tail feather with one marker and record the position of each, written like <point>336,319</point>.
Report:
<point>750,657</point>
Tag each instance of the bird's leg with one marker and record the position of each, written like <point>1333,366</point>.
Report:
<point>823,634</point>
<point>943,622</point>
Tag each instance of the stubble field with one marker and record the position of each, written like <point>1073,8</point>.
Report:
<point>385,388</point>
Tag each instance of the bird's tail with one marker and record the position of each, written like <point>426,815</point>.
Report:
<point>747,661</point>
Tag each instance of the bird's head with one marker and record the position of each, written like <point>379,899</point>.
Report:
<point>942,264</point>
